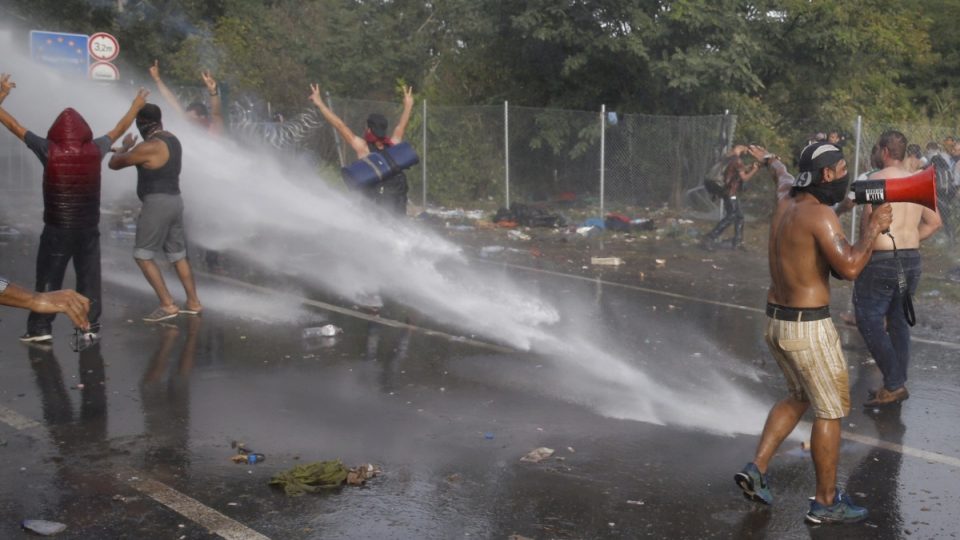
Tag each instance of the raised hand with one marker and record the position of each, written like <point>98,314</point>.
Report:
<point>6,84</point>
<point>141,98</point>
<point>315,94</point>
<point>407,96</point>
<point>128,141</point>
<point>155,70</point>
<point>209,81</point>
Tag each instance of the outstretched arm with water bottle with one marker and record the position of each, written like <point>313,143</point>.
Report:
<point>69,302</point>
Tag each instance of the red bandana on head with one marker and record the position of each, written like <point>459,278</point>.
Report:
<point>373,139</point>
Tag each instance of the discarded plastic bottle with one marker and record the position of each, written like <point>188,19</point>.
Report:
<point>255,458</point>
<point>327,330</point>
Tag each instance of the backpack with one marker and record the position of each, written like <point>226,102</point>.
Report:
<point>715,182</point>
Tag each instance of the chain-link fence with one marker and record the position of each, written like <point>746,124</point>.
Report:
<point>490,156</point>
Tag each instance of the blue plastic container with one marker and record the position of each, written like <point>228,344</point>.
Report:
<point>379,166</point>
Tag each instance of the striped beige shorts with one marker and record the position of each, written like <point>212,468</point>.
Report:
<point>810,356</point>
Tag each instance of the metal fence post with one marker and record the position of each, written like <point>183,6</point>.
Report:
<point>423,162</point>
<point>506,149</point>
<point>856,174</point>
<point>603,143</point>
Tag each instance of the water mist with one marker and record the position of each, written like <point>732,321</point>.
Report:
<point>285,218</point>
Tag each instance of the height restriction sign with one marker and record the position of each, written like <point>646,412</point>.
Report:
<point>103,47</point>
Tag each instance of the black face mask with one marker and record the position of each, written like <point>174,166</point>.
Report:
<point>830,193</point>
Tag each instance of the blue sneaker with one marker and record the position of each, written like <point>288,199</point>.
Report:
<point>841,511</point>
<point>754,484</point>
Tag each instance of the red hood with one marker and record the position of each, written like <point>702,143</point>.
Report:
<point>70,127</point>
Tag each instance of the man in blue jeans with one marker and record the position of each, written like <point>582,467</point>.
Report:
<point>883,291</point>
<point>71,204</point>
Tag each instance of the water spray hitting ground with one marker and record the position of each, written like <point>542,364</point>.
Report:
<point>286,219</point>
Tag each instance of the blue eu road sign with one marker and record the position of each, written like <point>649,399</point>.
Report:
<point>64,52</point>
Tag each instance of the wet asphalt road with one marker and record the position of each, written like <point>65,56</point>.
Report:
<point>446,420</point>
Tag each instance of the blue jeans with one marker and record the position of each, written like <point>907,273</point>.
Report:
<point>877,303</point>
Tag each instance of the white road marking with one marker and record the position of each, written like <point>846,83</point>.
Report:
<point>192,509</point>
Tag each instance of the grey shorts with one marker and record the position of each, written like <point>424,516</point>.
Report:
<point>160,228</point>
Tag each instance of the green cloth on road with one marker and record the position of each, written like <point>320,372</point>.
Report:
<point>311,477</point>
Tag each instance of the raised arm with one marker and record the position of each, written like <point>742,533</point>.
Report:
<point>164,91</point>
<point>6,85</point>
<point>216,106</point>
<point>746,173</point>
<point>930,223</point>
<point>124,124</point>
<point>844,259</point>
<point>404,116</point>
<point>781,176</point>
<point>355,142</point>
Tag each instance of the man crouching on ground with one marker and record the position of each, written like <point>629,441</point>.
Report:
<point>806,245</point>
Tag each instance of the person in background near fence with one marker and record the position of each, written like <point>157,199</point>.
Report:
<point>158,160</point>
<point>392,192</point>
<point>882,293</point>
<point>735,174</point>
<point>806,244</point>
<point>913,161</point>
<point>947,184</point>
<point>69,302</point>
<point>71,205</point>
<point>834,138</point>
<point>210,119</point>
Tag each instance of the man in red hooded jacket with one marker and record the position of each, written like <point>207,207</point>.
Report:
<point>71,204</point>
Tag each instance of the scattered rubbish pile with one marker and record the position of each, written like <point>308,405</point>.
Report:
<point>322,475</point>
<point>246,455</point>
<point>528,216</point>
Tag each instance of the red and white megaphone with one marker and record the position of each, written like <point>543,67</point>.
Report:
<point>919,188</point>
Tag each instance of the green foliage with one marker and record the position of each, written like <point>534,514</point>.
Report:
<point>785,67</point>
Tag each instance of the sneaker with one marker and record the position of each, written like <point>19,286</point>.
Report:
<point>754,484</point>
<point>841,511</point>
<point>160,314</point>
<point>38,337</point>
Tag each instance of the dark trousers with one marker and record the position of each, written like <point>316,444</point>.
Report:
<point>57,248</point>
<point>878,305</point>
<point>732,215</point>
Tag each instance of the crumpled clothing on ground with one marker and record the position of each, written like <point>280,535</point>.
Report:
<point>322,475</point>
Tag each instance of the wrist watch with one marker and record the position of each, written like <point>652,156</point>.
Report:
<point>3,284</point>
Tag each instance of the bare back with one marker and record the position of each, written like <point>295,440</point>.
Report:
<point>906,217</point>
